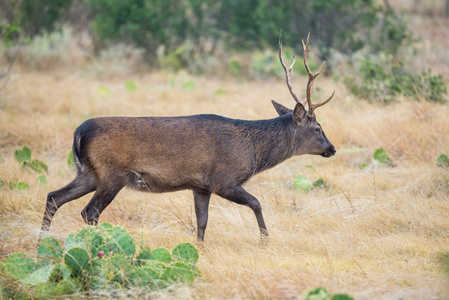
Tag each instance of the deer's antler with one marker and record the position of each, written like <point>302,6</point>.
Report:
<point>312,77</point>
<point>288,71</point>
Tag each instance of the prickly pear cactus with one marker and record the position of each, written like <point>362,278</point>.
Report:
<point>180,272</point>
<point>144,276</point>
<point>45,290</point>
<point>18,265</point>
<point>117,269</point>
<point>77,259</point>
<point>122,242</point>
<point>40,275</point>
<point>67,287</point>
<point>49,251</point>
<point>95,258</point>
<point>161,255</point>
<point>186,252</point>
<point>144,253</point>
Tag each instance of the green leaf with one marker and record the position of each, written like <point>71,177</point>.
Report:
<point>318,294</point>
<point>319,182</point>
<point>188,85</point>
<point>42,180</point>
<point>381,155</point>
<point>37,166</point>
<point>341,297</point>
<point>302,183</point>
<point>23,155</point>
<point>364,166</point>
<point>235,68</point>
<point>103,91</point>
<point>443,161</point>
<point>71,161</point>
<point>220,92</point>
<point>130,86</point>
<point>20,185</point>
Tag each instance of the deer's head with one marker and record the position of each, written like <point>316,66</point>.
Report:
<point>307,131</point>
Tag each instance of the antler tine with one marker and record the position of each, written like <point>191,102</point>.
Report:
<point>312,77</point>
<point>288,71</point>
<point>315,106</point>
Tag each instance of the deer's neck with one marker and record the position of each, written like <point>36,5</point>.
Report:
<point>273,142</point>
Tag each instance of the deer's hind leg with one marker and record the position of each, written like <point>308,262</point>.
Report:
<point>106,192</point>
<point>80,186</point>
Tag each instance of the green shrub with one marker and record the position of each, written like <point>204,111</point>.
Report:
<point>96,259</point>
<point>383,81</point>
<point>381,155</point>
<point>443,161</point>
<point>179,33</point>
<point>34,17</point>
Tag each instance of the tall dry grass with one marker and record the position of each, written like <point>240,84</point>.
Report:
<point>373,233</point>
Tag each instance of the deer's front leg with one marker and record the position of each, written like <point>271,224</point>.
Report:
<point>201,210</point>
<point>238,195</point>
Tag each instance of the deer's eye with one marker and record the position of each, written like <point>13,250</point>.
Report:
<point>317,130</point>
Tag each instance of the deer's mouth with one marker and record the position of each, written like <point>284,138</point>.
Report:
<point>329,152</point>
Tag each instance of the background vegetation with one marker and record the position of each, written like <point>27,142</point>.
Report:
<point>371,221</point>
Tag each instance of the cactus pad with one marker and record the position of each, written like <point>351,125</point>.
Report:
<point>67,287</point>
<point>122,242</point>
<point>161,254</point>
<point>49,251</point>
<point>19,265</point>
<point>77,260</point>
<point>144,276</point>
<point>144,253</point>
<point>186,252</point>
<point>180,272</point>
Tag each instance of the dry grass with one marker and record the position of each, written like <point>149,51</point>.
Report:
<point>375,234</point>
<point>372,233</point>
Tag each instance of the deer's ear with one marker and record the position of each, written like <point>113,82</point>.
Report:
<point>299,114</point>
<point>281,109</point>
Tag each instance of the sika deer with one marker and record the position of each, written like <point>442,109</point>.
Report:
<point>203,153</point>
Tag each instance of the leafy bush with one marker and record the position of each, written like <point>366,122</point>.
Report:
<point>95,259</point>
<point>383,81</point>
<point>37,16</point>
<point>183,31</point>
<point>32,17</point>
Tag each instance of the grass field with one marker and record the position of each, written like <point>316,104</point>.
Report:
<point>376,233</point>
